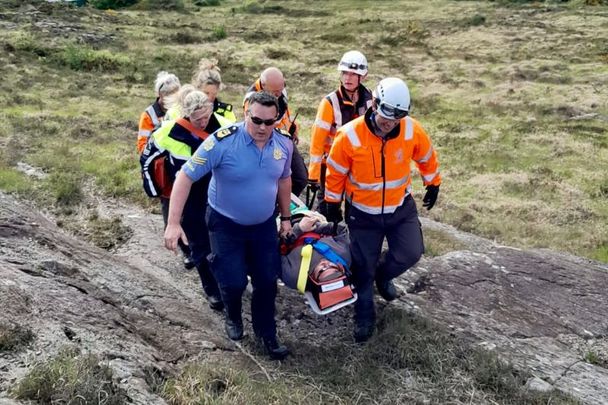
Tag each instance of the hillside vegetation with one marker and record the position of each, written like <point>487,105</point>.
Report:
<point>513,96</point>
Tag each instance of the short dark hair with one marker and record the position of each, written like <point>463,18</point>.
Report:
<point>264,98</point>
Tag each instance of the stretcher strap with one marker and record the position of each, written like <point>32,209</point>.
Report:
<point>329,254</point>
<point>304,266</point>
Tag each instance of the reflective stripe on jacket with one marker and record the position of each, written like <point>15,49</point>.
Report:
<point>373,173</point>
<point>335,110</point>
<point>149,121</point>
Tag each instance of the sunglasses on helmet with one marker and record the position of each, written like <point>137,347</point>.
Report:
<point>259,121</point>
<point>392,111</point>
<point>353,65</point>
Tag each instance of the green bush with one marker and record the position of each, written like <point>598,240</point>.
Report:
<point>12,180</point>
<point>70,378</point>
<point>477,19</point>
<point>106,233</point>
<point>219,33</point>
<point>112,4</point>
<point>254,7</point>
<point>14,337</point>
<point>206,3</point>
<point>66,189</point>
<point>183,37</point>
<point>176,5</point>
<point>27,42</point>
<point>87,59</point>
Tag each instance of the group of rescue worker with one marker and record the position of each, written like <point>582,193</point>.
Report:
<point>228,181</point>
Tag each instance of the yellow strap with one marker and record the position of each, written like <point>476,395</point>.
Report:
<point>304,266</point>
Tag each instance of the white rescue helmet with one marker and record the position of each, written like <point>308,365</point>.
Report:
<point>392,98</point>
<point>353,61</point>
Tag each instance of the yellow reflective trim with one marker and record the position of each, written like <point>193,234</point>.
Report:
<point>304,266</point>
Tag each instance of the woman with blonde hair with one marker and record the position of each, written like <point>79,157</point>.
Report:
<point>175,142</point>
<point>208,79</point>
<point>166,87</point>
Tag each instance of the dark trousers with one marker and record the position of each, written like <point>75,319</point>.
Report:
<point>403,233</point>
<point>299,172</point>
<point>238,251</point>
<point>195,228</point>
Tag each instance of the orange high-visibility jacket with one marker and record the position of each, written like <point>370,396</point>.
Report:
<point>374,173</point>
<point>335,110</point>
<point>284,121</point>
<point>149,121</point>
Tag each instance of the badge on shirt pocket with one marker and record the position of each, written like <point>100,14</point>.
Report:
<point>277,154</point>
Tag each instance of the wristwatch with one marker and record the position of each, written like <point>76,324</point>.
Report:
<point>288,218</point>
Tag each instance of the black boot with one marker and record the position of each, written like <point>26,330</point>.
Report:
<point>274,349</point>
<point>234,329</point>
<point>363,331</point>
<point>210,286</point>
<point>188,262</point>
<point>386,288</point>
<point>215,302</point>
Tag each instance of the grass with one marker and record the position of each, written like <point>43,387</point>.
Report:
<point>516,120</point>
<point>14,337</point>
<point>70,377</point>
<point>511,96</point>
<point>437,243</point>
<point>409,360</point>
<point>106,233</point>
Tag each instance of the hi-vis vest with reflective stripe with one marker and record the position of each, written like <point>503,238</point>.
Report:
<point>333,112</point>
<point>374,174</point>
<point>149,121</point>
<point>177,150</point>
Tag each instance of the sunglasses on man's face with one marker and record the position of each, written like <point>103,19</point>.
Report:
<point>354,66</point>
<point>392,111</point>
<point>259,121</point>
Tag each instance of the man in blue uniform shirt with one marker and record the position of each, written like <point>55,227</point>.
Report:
<point>250,162</point>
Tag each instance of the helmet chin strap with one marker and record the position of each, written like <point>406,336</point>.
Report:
<point>376,129</point>
<point>352,94</point>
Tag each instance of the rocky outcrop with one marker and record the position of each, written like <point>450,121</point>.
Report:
<point>542,310</point>
<point>66,291</point>
<point>139,310</point>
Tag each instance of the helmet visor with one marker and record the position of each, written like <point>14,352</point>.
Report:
<point>391,111</point>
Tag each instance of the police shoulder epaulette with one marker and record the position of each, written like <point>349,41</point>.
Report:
<point>225,132</point>
<point>283,132</point>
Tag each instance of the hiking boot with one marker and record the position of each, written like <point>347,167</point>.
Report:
<point>215,302</point>
<point>274,349</point>
<point>363,332</point>
<point>188,262</point>
<point>234,330</point>
<point>386,289</point>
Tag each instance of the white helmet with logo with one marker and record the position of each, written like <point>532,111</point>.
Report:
<point>353,61</point>
<point>392,98</point>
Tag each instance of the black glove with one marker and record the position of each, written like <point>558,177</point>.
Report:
<point>430,197</point>
<point>332,211</point>
<point>313,185</point>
